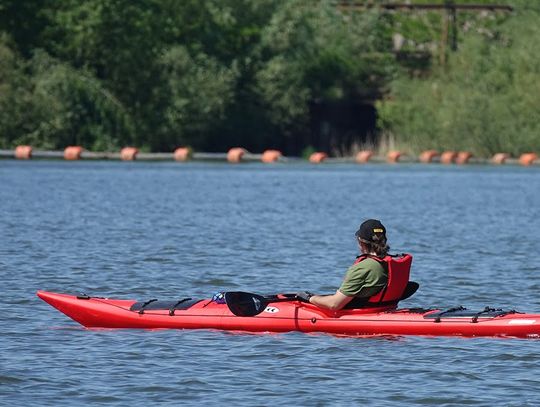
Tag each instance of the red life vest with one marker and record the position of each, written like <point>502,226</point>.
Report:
<point>399,270</point>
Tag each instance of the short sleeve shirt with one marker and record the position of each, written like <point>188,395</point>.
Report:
<point>364,279</point>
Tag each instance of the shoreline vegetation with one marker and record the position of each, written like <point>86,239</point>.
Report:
<point>297,76</point>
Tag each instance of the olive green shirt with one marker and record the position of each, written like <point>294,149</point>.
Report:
<point>364,279</point>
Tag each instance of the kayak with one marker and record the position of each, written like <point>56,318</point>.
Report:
<point>285,313</point>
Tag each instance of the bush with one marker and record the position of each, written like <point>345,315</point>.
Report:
<point>199,90</point>
<point>16,105</point>
<point>484,101</point>
<point>318,54</point>
<point>71,107</point>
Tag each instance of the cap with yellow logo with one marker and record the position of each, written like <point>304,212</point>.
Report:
<point>372,230</point>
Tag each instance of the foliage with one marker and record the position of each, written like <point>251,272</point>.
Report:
<point>15,95</point>
<point>318,56</point>
<point>216,74</point>
<point>484,101</point>
<point>73,108</point>
<point>200,89</point>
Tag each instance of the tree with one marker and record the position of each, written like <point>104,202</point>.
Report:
<point>482,102</point>
<point>199,90</point>
<point>316,55</point>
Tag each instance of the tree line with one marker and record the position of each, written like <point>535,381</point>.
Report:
<point>215,74</point>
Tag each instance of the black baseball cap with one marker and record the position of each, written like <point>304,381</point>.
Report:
<point>371,228</point>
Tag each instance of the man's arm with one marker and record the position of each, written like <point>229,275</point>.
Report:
<point>332,302</point>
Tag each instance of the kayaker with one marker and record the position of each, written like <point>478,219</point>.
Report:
<point>365,277</point>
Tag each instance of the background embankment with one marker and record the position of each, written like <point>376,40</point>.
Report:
<point>297,76</point>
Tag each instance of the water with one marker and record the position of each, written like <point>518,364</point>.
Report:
<point>144,230</point>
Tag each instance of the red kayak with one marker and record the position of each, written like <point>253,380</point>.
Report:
<point>239,311</point>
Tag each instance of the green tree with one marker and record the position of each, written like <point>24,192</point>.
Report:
<point>317,54</point>
<point>71,107</point>
<point>25,22</point>
<point>16,115</point>
<point>119,43</point>
<point>484,101</point>
<point>199,90</point>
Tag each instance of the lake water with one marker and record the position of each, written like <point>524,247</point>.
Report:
<point>144,230</point>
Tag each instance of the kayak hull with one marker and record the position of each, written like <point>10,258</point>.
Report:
<point>93,312</point>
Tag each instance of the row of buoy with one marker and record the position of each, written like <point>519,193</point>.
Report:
<point>431,156</point>
<point>237,154</point>
<point>76,153</point>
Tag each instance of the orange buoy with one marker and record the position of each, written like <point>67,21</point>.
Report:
<point>393,156</point>
<point>235,154</point>
<point>363,156</point>
<point>183,153</point>
<point>72,153</point>
<point>129,153</point>
<point>500,158</point>
<point>23,152</point>
<point>527,158</point>
<point>270,156</point>
<point>448,157</point>
<point>463,157</point>
<point>317,157</point>
<point>428,156</point>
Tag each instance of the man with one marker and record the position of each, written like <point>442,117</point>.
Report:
<point>366,277</point>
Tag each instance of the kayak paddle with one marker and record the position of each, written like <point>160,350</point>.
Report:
<point>243,304</point>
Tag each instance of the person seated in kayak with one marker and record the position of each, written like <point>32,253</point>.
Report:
<point>366,277</point>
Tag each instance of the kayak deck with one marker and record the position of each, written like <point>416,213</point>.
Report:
<point>186,313</point>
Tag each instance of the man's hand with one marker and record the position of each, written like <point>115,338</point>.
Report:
<point>304,296</point>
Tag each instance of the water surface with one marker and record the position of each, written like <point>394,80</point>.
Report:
<point>145,230</point>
